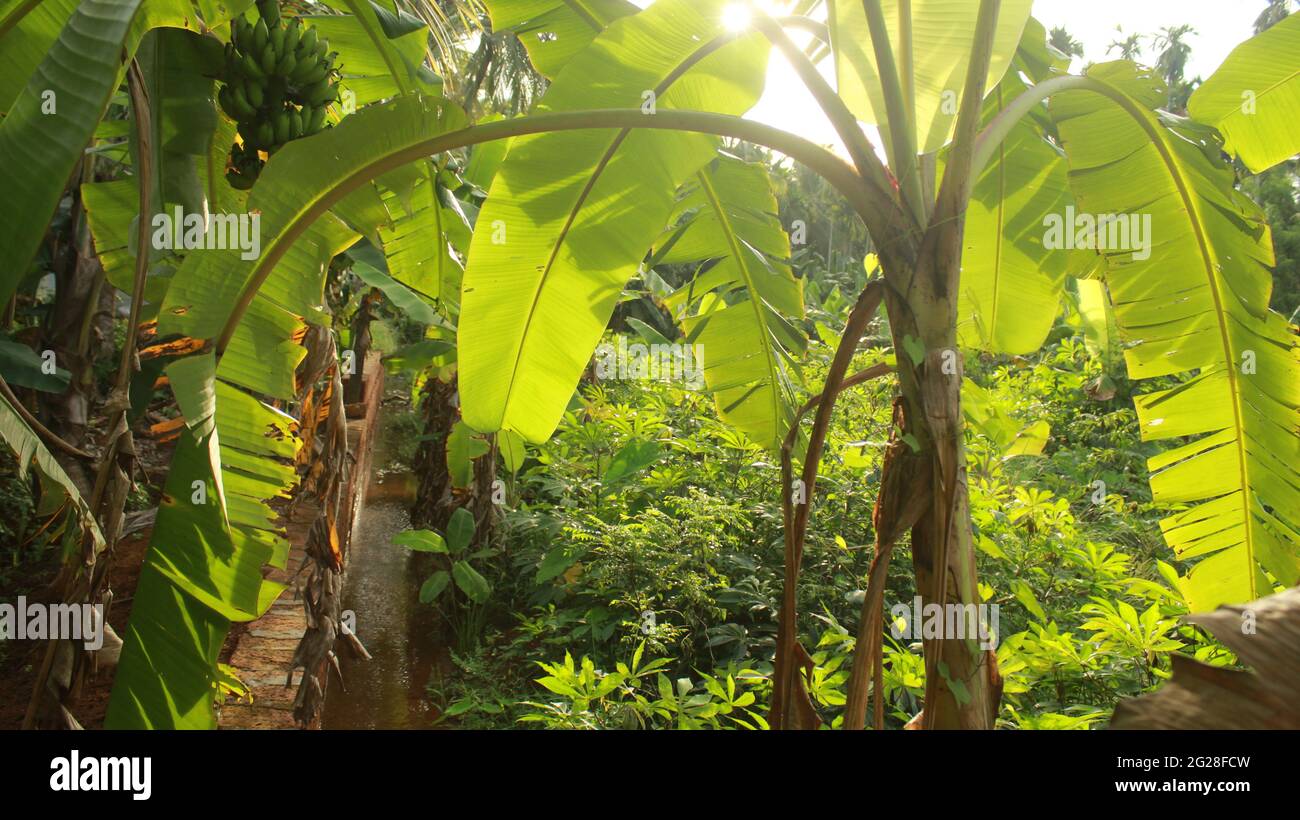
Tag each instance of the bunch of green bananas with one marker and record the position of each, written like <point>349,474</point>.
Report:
<point>278,81</point>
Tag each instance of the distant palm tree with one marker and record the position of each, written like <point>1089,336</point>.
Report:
<point>1172,63</point>
<point>1130,48</point>
<point>1275,12</point>
<point>1062,41</point>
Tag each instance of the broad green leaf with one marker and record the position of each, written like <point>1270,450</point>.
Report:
<point>1196,306</point>
<point>294,182</point>
<point>38,150</point>
<point>418,245</point>
<point>21,367</point>
<point>557,562</point>
<point>402,297</point>
<point>727,214</point>
<point>989,419</point>
<point>512,450</point>
<point>111,211</point>
<point>418,356</point>
<point>1100,334</point>
<point>188,597</point>
<point>27,31</point>
<point>460,530</point>
<point>28,449</point>
<point>474,585</point>
<point>1011,282</point>
<point>486,159</point>
<point>201,572</point>
<point>373,67</point>
<point>633,457</point>
<point>553,31</point>
<point>647,333</point>
<point>1254,97</point>
<point>433,586</point>
<point>1025,596</point>
<point>463,446</point>
<point>942,33</point>
<point>570,215</point>
<point>421,541</point>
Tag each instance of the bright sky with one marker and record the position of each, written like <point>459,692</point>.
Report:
<point>1220,25</point>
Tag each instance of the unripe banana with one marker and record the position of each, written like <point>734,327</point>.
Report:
<point>261,36</point>
<point>306,44</point>
<point>314,73</point>
<point>224,100</point>
<point>319,93</point>
<point>270,11</point>
<point>273,93</point>
<point>276,38</point>
<point>268,59</point>
<point>292,34</point>
<point>243,107</point>
<point>316,121</point>
<point>286,64</point>
<point>281,124</point>
<point>254,94</point>
<point>265,134</point>
<point>295,124</point>
<point>240,33</point>
<point>248,65</point>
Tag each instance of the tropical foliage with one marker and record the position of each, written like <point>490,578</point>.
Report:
<point>1028,242</point>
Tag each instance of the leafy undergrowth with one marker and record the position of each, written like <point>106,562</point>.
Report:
<point>640,574</point>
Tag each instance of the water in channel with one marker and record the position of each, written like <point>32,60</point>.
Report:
<point>387,691</point>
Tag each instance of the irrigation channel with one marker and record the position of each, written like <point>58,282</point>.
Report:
<point>381,590</point>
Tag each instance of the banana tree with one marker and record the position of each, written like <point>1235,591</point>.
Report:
<point>973,162</point>
<point>214,530</point>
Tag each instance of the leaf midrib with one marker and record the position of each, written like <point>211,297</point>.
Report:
<point>755,299</point>
<point>686,65</point>
<point>1159,140</point>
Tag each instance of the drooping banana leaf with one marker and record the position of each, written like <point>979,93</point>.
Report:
<point>1100,334</point>
<point>403,298</point>
<point>368,72</point>
<point>569,215</point>
<point>28,449</point>
<point>554,31</point>
<point>21,367</point>
<point>1011,283</point>
<point>938,52</point>
<point>27,30</point>
<point>177,66</point>
<point>418,245</point>
<point>750,342</point>
<point>1196,306</point>
<point>1254,97</point>
<point>38,149</point>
